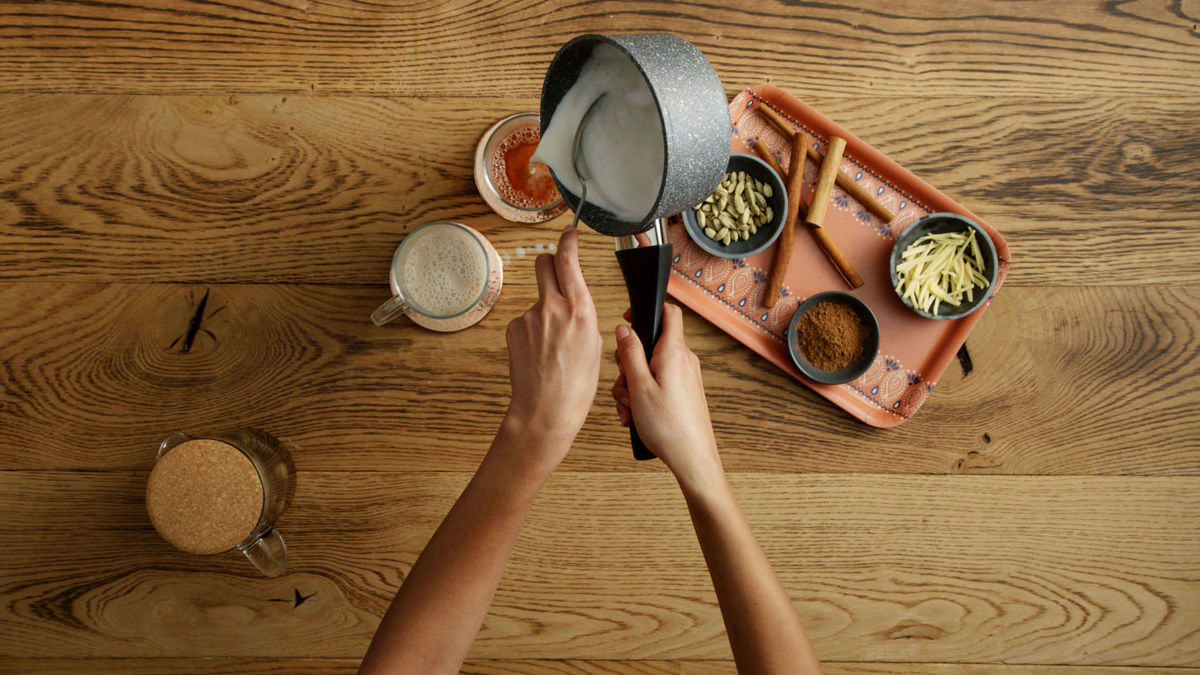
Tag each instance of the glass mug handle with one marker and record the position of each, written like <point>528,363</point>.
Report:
<point>268,553</point>
<point>170,442</point>
<point>394,307</point>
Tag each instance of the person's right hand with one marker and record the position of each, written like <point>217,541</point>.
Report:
<point>554,353</point>
<point>665,398</point>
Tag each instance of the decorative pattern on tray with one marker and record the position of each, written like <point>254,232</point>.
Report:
<point>913,351</point>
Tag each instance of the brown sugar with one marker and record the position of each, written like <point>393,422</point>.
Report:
<point>830,336</point>
<point>204,496</point>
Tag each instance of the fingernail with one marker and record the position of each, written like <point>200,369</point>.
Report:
<point>622,332</point>
<point>568,228</point>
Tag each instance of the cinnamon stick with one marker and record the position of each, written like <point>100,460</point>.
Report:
<point>776,119</point>
<point>844,181</point>
<point>823,189</point>
<point>761,150</point>
<point>783,246</point>
<point>852,188</point>
<point>820,204</point>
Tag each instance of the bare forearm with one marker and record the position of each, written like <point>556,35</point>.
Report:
<point>764,630</point>
<point>436,614</point>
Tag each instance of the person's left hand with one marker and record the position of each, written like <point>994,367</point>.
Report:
<point>554,352</point>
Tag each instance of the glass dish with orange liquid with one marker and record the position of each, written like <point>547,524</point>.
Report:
<point>515,188</point>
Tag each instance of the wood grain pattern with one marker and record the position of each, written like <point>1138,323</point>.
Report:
<point>727,668</point>
<point>570,667</point>
<point>230,666</point>
<point>225,189</point>
<point>178,666</point>
<point>1065,381</point>
<point>972,569</point>
<point>272,154</point>
<point>464,48</point>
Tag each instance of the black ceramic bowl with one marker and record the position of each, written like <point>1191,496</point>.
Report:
<point>940,223</point>
<point>870,344</point>
<point>767,232</point>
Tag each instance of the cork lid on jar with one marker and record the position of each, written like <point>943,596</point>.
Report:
<point>204,496</point>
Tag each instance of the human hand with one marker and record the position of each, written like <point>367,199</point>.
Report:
<point>554,354</point>
<point>665,398</point>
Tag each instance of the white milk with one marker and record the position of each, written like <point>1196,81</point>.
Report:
<point>622,152</point>
<point>443,270</point>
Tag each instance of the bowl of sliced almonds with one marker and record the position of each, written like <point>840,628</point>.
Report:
<point>944,266</point>
<point>744,215</point>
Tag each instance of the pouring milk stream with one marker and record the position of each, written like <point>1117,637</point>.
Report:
<point>622,145</point>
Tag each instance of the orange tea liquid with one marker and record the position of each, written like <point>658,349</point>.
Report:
<point>517,180</point>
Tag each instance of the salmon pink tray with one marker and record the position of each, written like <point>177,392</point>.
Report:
<point>913,351</point>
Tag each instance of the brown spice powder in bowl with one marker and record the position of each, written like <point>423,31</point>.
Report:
<point>833,337</point>
<point>830,336</point>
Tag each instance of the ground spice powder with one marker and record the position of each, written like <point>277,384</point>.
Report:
<point>830,336</point>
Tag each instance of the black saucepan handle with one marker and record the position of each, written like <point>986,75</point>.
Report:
<point>646,270</point>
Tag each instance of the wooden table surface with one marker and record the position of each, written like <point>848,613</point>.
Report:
<point>1040,515</point>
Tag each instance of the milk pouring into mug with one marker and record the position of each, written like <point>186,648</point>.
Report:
<point>656,142</point>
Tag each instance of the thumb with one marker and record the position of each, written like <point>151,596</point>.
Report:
<point>632,359</point>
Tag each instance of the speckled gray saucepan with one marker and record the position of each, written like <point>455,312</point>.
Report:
<point>694,112</point>
<point>696,135</point>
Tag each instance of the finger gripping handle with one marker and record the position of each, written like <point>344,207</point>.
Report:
<point>646,270</point>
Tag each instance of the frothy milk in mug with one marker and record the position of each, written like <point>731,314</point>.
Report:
<point>445,277</point>
<point>444,270</point>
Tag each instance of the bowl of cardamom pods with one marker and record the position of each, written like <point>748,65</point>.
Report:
<point>744,215</point>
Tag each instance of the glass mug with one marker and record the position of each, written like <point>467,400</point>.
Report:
<point>212,494</point>
<point>445,277</point>
<point>515,188</point>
